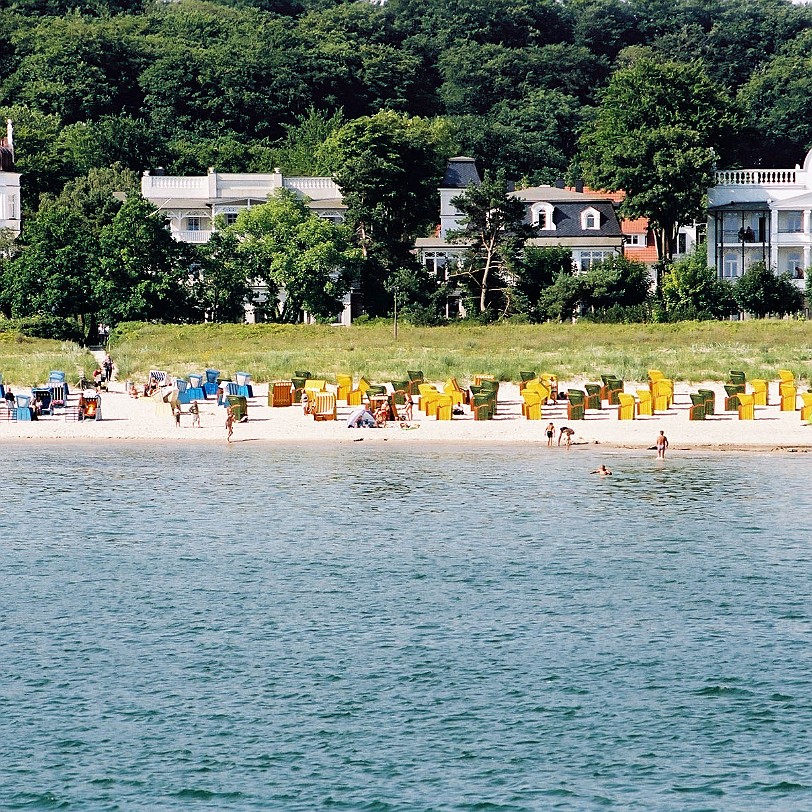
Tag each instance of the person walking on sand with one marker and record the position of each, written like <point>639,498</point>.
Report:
<point>661,445</point>
<point>194,410</point>
<point>567,433</point>
<point>550,432</point>
<point>229,423</point>
<point>176,413</point>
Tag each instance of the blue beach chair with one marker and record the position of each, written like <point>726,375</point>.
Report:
<point>22,407</point>
<point>210,387</point>
<point>195,388</point>
<point>223,394</point>
<point>244,385</point>
<point>183,391</point>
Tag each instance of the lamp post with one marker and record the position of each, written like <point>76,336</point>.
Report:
<point>395,321</point>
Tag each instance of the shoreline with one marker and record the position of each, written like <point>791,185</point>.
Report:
<point>126,420</point>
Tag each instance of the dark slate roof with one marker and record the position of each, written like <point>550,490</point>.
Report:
<point>567,219</point>
<point>460,173</point>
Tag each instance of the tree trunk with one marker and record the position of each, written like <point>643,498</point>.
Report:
<point>486,273</point>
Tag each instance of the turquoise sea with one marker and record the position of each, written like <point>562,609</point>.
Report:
<point>369,627</point>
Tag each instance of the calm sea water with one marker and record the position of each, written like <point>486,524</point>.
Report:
<point>376,628</point>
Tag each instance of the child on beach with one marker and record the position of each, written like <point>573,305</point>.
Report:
<point>407,406</point>
<point>229,423</point>
<point>550,432</point>
<point>176,413</point>
<point>194,410</point>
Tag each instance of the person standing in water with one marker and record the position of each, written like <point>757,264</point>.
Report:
<point>661,445</point>
<point>550,432</point>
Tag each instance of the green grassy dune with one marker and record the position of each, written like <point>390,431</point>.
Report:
<point>689,351</point>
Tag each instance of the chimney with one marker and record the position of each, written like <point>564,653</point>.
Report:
<point>559,183</point>
<point>579,185</point>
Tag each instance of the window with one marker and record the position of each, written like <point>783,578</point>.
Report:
<point>231,218</point>
<point>193,224</point>
<point>541,216</point>
<point>590,219</point>
<point>588,258</point>
<point>791,222</point>
<point>637,240</point>
<point>793,264</point>
<point>730,267</point>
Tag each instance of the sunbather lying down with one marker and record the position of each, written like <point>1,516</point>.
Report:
<point>408,426</point>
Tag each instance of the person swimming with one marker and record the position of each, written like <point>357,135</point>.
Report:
<point>602,470</point>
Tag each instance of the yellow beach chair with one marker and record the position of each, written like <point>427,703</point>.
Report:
<point>806,406</point>
<point>444,407</point>
<point>626,408</point>
<point>343,386</point>
<point>645,404</point>
<point>789,393</point>
<point>746,406</point>
<point>531,406</point>
<point>761,391</point>
<point>428,399</point>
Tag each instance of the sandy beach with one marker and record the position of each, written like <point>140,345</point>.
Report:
<point>125,418</point>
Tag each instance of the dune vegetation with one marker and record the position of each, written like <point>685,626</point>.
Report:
<point>687,351</point>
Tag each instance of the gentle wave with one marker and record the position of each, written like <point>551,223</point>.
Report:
<point>403,629</point>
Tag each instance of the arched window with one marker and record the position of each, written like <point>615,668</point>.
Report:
<point>541,216</point>
<point>590,219</point>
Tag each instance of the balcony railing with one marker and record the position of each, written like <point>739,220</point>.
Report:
<point>756,177</point>
<point>198,237</point>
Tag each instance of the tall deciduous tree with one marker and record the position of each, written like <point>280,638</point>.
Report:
<point>220,287</point>
<point>655,137</point>
<point>55,272</point>
<point>308,259</point>
<point>144,273</point>
<point>388,167</point>
<point>493,227</point>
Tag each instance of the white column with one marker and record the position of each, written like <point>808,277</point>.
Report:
<point>774,239</point>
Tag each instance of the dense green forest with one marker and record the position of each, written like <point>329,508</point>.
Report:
<point>191,85</point>
<point>116,87</point>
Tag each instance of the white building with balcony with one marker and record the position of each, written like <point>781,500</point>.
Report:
<point>761,215</point>
<point>192,204</point>
<point>9,185</point>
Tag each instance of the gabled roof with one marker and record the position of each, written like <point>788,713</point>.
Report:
<point>460,173</point>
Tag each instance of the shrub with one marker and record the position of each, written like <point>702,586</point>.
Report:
<point>54,327</point>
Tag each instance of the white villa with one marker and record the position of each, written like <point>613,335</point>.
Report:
<point>9,185</point>
<point>192,205</point>
<point>761,215</point>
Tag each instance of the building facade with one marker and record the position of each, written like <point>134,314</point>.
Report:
<point>761,215</point>
<point>192,206</point>
<point>9,184</point>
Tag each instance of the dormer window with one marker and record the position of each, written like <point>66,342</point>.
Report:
<point>541,216</point>
<point>590,219</point>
